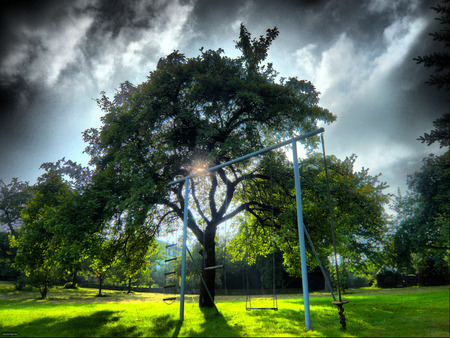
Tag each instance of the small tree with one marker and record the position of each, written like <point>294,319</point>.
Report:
<point>38,243</point>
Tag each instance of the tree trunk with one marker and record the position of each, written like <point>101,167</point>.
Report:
<point>74,279</point>
<point>100,279</point>
<point>129,285</point>
<point>209,276</point>
<point>44,290</point>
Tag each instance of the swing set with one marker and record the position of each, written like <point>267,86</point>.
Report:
<point>301,231</point>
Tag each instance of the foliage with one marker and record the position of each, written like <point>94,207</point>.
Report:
<point>423,215</point>
<point>440,134</point>
<point>433,272</point>
<point>70,285</point>
<point>357,201</point>
<point>38,243</point>
<point>13,197</point>
<point>192,113</point>
<point>133,264</point>
<point>440,61</point>
<point>58,224</point>
<point>388,278</point>
<point>7,257</point>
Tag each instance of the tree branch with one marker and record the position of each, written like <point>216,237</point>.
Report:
<point>197,203</point>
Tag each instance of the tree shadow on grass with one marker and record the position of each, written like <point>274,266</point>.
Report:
<point>163,324</point>
<point>215,325</point>
<point>292,322</point>
<point>84,326</point>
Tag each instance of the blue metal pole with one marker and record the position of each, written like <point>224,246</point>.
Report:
<point>301,235</point>
<point>183,256</point>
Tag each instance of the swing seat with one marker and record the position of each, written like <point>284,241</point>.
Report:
<point>262,308</point>
<point>171,259</point>
<point>213,267</point>
<point>170,245</point>
<point>169,273</point>
<point>169,299</point>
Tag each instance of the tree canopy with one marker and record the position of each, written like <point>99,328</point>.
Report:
<point>193,113</point>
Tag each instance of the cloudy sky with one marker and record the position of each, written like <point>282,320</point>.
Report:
<point>56,57</point>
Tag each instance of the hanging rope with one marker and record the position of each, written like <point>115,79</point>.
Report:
<point>339,303</point>
<point>274,300</point>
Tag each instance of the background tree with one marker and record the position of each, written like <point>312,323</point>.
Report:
<point>440,61</point>
<point>357,201</point>
<point>13,197</point>
<point>423,214</point>
<point>133,262</point>
<point>37,244</point>
<point>190,114</point>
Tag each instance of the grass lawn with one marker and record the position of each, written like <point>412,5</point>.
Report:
<point>421,312</point>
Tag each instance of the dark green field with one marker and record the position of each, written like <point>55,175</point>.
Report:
<point>421,312</point>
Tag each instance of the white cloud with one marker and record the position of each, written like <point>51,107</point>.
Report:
<point>306,63</point>
<point>45,52</point>
<point>133,53</point>
<point>355,85</point>
<point>399,37</point>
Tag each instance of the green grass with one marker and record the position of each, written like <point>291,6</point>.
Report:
<point>404,312</point>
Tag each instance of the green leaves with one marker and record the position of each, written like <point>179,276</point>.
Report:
<point>357,200</point>
<point>422,222</point>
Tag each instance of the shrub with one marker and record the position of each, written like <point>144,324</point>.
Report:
<point>433,272</point>
<point>389,279</point>
<point>70,285</point>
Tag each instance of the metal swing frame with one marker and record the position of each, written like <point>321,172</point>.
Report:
<point>293,142</point>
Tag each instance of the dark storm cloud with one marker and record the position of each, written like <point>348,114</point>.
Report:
<point>25,30</point>
<point>57,55</point>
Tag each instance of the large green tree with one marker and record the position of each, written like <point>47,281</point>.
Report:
<point>193,113</point>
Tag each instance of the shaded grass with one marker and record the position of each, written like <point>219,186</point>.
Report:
<point>371,312</point>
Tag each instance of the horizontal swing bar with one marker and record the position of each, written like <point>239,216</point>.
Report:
<point>258,152</point>
<point>170,273</point>
<point>213,267</point>
<point>170,286</point>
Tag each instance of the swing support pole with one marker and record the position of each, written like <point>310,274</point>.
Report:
<point>301,235</point>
